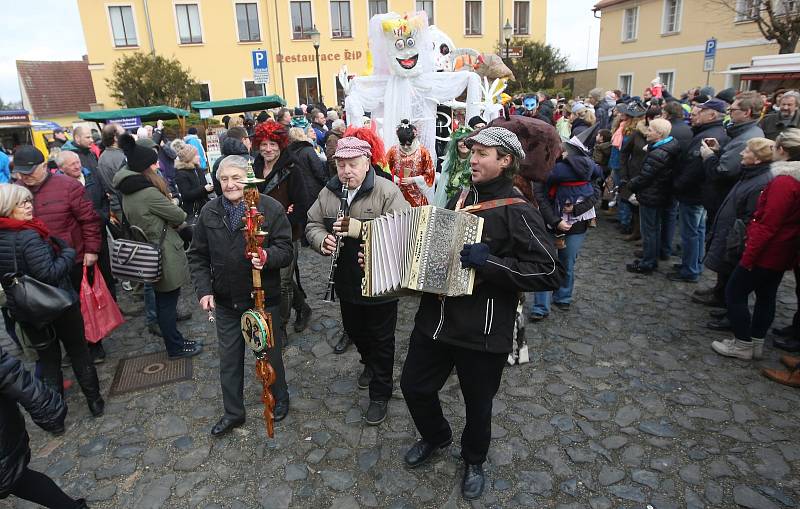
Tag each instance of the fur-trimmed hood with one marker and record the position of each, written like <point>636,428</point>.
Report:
<point>791,168</point>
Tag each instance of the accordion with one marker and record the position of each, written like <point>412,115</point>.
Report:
<point>419,249</point>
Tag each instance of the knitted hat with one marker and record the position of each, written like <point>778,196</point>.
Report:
<point>139,158</point>
<point>350,147</point>
<point>497,137</point>
<point>475,121</point>
<point>728,95</point>
<point>187,153</point>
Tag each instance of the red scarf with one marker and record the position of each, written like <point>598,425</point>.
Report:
<point>35,224</point>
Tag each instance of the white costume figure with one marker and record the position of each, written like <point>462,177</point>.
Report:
<point>405,83</point>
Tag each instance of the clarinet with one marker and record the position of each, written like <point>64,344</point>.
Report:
<point>330,291</point>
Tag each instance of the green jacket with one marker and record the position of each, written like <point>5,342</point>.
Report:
<point>144,206</point>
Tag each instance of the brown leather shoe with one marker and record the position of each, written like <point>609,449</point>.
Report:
<point>790,361</point>
<point>789,378</point>
<point>636,235</point>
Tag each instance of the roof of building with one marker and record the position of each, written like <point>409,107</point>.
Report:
<point>56,88</point>
<point>602,4</point>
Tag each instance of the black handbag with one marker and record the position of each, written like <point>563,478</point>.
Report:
<point>35,303</point>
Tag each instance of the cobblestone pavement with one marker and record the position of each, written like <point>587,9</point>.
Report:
<point>624,405</point>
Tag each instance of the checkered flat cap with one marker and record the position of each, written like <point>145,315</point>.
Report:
<point>498,137</point>
<point>350,147</point>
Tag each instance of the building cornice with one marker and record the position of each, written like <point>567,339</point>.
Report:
<point>682,50</point>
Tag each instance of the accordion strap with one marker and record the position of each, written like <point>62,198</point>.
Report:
<point>486,205</point>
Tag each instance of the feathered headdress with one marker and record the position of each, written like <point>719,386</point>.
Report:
<point>405,26</point>
<point>272,131</point>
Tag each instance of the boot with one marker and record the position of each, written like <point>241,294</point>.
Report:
<point>735,348</point>
<point>758,348</point>
<point>636,232</point>
<point>90,385</point>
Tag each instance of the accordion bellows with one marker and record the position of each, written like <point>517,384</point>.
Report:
<point>419,249</point>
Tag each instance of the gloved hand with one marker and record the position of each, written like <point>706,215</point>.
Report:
<point>474,255</point>
<point>348,227</point>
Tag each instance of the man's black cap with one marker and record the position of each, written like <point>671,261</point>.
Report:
<point>27,158</point>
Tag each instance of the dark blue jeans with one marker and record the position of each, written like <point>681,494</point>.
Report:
<point>670,220</point>
<point>693,239</point>
<point>652,220</point>
<point>567,257</point>
<point>167,313</point>
<point>742,283</point>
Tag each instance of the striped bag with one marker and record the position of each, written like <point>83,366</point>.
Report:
<point>137,261</point>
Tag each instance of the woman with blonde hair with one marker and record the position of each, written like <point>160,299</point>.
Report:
<point>147,205</point>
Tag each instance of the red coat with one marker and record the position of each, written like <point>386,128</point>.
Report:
<point>773,237</point>
<point>61,203</point>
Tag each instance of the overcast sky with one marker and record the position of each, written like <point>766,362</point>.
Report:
<point>51,30</point>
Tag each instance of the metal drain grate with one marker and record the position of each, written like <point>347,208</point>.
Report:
<point>148,371</point>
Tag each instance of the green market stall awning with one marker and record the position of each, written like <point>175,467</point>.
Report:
<point>262,102</point>
<point>146,114</point>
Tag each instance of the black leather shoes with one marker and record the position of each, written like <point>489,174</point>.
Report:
<point>702,292</point>
<point>421,452</point>
<point>365,378</point>
<point>97,407</point>
<point>474,481</point>
<point>281,410</point>
<point>787,345</point>
<point>303,317</point>
<point>226,424</point>
<point>722,324</point>
<point>342,345</point>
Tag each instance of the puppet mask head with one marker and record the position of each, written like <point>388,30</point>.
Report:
<point>402,35</point>
<point>530,103</point>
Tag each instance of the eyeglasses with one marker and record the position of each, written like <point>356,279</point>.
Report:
<point>24,203</point>
<point>735,109</point>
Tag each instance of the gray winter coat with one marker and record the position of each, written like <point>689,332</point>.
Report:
<point>739,204</point>
<point>723,170</point>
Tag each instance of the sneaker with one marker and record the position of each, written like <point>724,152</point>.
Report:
<point>186,351</point>
<point>735,348</point>
<point>563,306</point>
<point>376,413</point>
<point>637,268</point>
<point>680,278</point>
<point>365,378</point>
<point>758,348</point>
<point>536,317</point>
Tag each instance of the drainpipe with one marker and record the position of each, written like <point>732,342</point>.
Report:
<point>149,28</point>
<point>280,64</point>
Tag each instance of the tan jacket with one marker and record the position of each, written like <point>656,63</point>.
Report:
<point>375,197</point>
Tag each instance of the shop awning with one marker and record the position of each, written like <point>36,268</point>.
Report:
<point>146,114</point>
<point>262,102</point>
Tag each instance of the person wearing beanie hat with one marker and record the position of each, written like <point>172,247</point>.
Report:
<point>476,122</point>
<point>262,117</point>
<point>475,333</point>
<point>369,322</point>
<point>148,205</point>
<point>284,181</point>
<point>191,182</point>
<point>192,139</point>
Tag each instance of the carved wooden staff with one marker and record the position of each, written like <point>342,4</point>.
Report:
<point>257,323</point>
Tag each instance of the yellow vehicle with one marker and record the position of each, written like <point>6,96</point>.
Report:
<point>16,128</point>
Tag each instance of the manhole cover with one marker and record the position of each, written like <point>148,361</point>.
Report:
<point>148,371</point>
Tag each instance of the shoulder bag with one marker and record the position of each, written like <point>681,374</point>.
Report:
<point>36,303</point>
<point>137,261</point>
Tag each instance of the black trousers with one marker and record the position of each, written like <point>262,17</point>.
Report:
<point>231,359</point>
<point>371,328</point>
<point>427,366</point>
<point>68,329</point>
<point>38,488</point>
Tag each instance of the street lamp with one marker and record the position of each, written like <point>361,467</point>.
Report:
<point>314,33</point>
<point>508,31</point>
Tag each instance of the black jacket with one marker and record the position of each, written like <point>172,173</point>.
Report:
<point>740,203</point>
<point>229,147</point>
<point>217,255</point>
<point>313,169</point>
<point>45,406</point>
<point>681,132</point>
<point>687,183</point>
<point>286,184</point>
<point>631,158</point>
<point>653,186</point>
<point>191,182</point>
<point>522,259</point>
<point>37,258</point>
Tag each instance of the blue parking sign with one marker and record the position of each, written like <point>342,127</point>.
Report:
<point>260,66</point>
<point>711,48</point>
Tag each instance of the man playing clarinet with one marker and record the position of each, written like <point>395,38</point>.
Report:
<point>474,333</point>
<point>222,275</point>
<point>369,322</point>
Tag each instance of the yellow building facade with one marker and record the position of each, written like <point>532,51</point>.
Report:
<point>215,38</point>
<point>644,39</point>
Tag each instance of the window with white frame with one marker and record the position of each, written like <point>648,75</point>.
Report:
<point>630,24</point>
<point>378,7</point>
<point>302,23</point>
<point>522,15</point>
<point>472,17</point>
<point>123,29</point>
<point>626,83</point>
<point>747,9</point>
<point>253,89</point>
<point>427,6</point>
<point>340,19</point>
<point>672,16</point>
<point>667,80</point>
<point>247,22</point>
<point>188,23</point>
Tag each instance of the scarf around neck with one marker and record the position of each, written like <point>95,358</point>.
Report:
<point>35,224</point>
